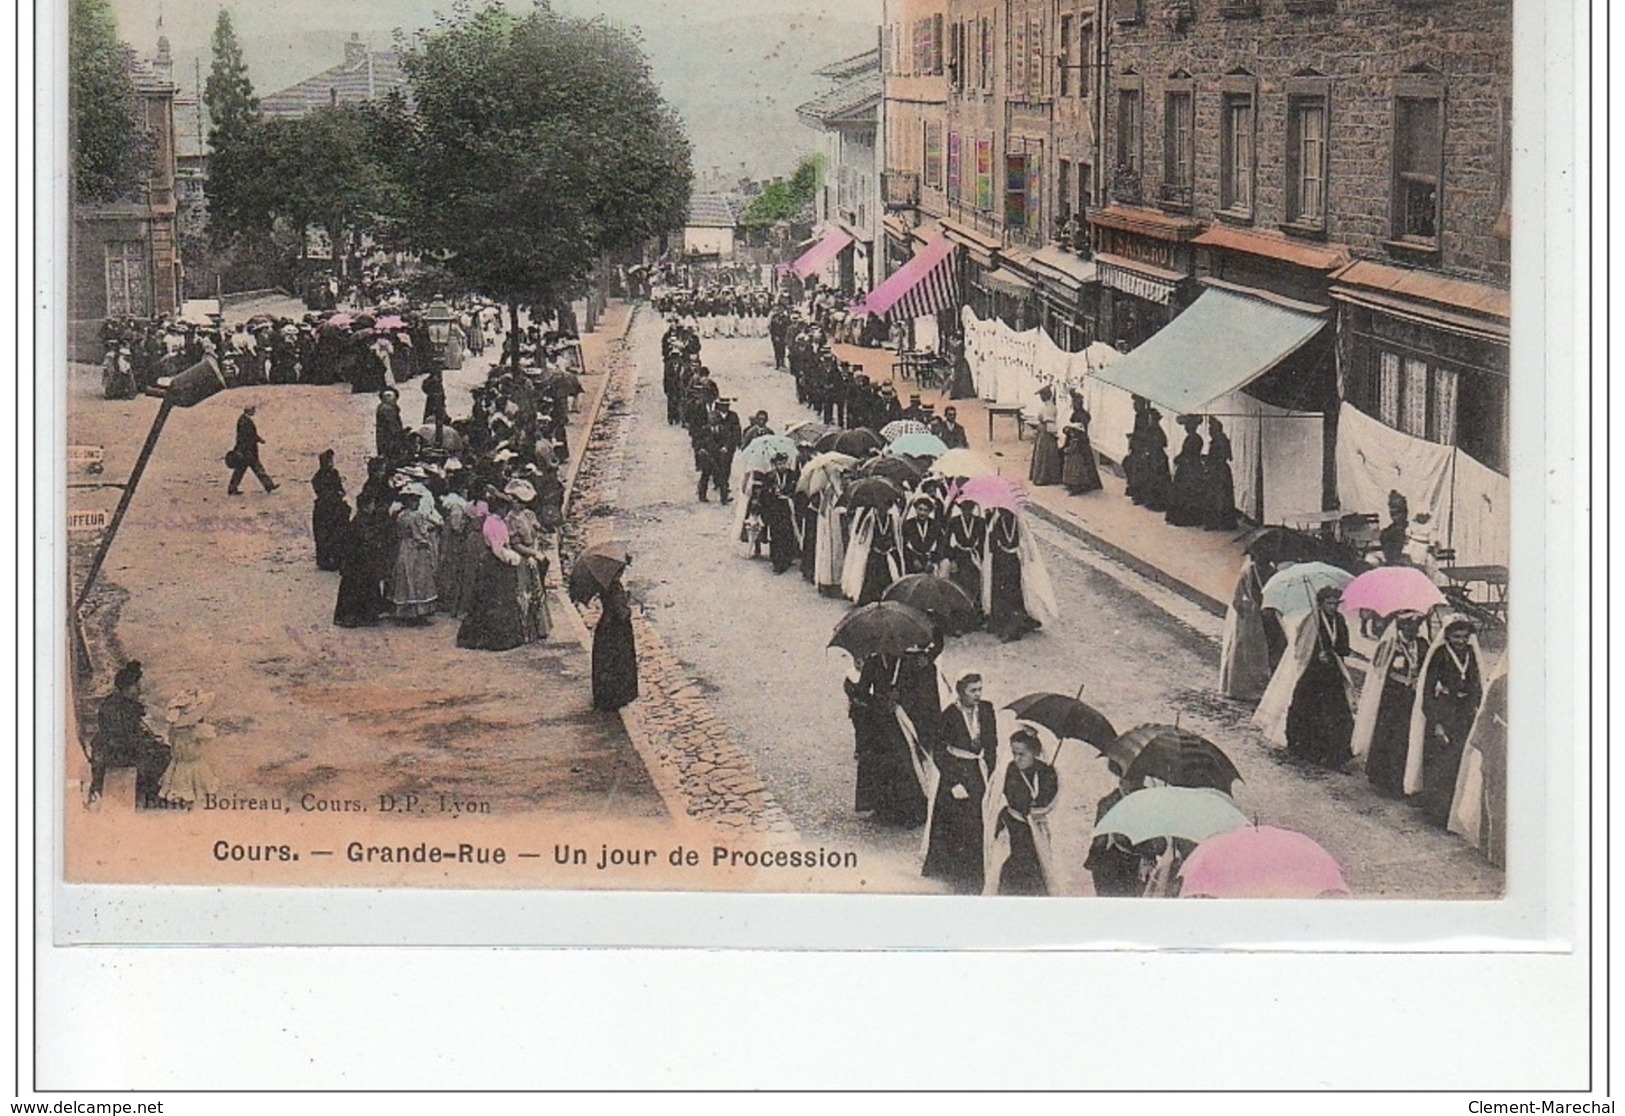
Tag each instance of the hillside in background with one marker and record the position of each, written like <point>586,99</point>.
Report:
<point>735,80</point>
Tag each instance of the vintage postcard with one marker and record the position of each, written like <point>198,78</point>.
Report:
<point>890,447</point>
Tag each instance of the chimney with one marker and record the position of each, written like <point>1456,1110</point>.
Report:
<point>355,52</point>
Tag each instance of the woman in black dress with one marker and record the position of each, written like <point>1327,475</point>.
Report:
<point>1396,666</point>
<point>1154,479</point>
<point>1079,472</point>
<point>1320,724</point>
<point>1188,492</point>
<point>614,648</point>
<point>331,515</point>
<point>887,786</point>
<point>1220,512</point>
<point>366,555</point>
<point>1030,787</point>
<point>492,617</point>
<point>1008,617</point>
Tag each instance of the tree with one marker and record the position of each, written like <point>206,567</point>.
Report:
<point>786,200</point>
<point>109,142</point>
<point>238,189</point>
<point>538,143</point>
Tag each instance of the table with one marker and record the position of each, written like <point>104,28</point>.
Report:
<point>1494,580</point>
<point>909,365</point>
<point>994,412</point>
<point>1310,521</point>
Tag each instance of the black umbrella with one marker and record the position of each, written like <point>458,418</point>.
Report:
<point>859,443</point>
<point>597,567</point>
<point>872,492</point>
<point>882,628</point>
<point>1281,544</point>
<point>898,470</point>
<point>812,434</point>
<point>1066,717</point>
<point>937,597</point>
<point>1177,756</point>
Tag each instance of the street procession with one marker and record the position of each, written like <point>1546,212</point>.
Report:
<point>1083,541</point>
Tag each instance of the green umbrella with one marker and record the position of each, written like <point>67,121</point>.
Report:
<point>1292,591</point>
<point>1192,813</point>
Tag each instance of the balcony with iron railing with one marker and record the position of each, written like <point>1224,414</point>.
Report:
<point>1126,186</point>
<point>1175,197</point>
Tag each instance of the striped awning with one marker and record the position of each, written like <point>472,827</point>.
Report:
<point>924,285</point>
<point>814,258</point>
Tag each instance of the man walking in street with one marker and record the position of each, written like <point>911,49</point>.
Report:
<point>245,455</point>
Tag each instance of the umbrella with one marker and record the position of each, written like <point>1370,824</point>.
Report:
<point>990,493</point>
<point>1292,591</point>
<point>569,381</point>
<point>882,628</point>
<point>758,456</point>
<point>1193,813</point>
<point>936,596</point>
<point>899,471</point>
<point>603,562</point>
<point>1281,544</point>
<point>390,321</point>
<point>809,433</point>
<point>962,463</point>
<point>822,472</point>
<point>1390,589</point>
<point>1066,717</point>
<point>1176,756</point>
<point>448,440</point>
<point>871,492</point>
<point>895,430</point>
<point>918,445</point>
<point>339,321</point>
<point>1261,862</point>
<point>859,443</point>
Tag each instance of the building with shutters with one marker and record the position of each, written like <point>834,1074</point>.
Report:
<point>848,116</point>
<point>125,258</point>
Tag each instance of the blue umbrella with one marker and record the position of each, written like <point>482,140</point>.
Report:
<point>1292,591</point>
<point>918,445</point>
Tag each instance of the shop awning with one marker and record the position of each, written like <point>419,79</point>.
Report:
<point>924,285</point>
<point>1222,343</point>
<point>1006,282</point>
<point>814,258</point>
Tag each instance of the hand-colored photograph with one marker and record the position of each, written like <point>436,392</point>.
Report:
<point>942,447</point>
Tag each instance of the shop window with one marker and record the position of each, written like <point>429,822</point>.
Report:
<point>1418,169</point>
<point>1413,411</point>
<point>1388,381</point>
<point>1306,162</point>
<point>1238,128</point>
<point>1443,420</point>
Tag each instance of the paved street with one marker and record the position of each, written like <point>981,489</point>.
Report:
<point>756,644</point>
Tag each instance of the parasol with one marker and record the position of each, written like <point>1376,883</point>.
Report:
<point>937,597</point>
<point>603,563</point>
<point>1192,813</point>
<point>1261,862</point>
<point>990,493</point>
<point>871,492</point>
<point>390,321</point>
<point>1067,717</point>
<point>758,456</point>
<point>809,433</point>
<point>898,470</point>
<point>882,628</point>
<point>1390,589</point>
<point>895,430</point>
<point>859,443</point>
<point>918,445</point>
<point>1174,755</point>
<point>962,463</point>
<point>1291,592</point>
<point>823,471</point>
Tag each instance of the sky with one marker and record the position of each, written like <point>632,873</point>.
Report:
<point>736,78</point>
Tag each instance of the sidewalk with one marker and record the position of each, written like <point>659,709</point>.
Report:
<point>1198,565</point>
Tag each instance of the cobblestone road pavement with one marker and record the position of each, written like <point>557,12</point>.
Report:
<point>740,666</point>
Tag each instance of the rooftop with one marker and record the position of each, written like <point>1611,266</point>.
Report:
<point>851,67</point>
<point>711,211</point>
<point>852,102</point>
<point>364,75</point>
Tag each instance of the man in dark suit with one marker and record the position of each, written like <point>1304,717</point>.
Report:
<point>965,749</point>
<point>948,429</point>
<point>245,455</point>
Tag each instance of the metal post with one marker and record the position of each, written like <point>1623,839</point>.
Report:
<point>124,503</point>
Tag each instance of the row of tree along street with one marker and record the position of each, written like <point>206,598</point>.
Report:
<point>527,148</point>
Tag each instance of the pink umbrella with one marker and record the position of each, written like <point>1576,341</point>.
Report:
<point>990,493</point>
<point>1390,589</point>
<point>339,321</point>
<point>389,321</point>
<point>1261,862</point>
